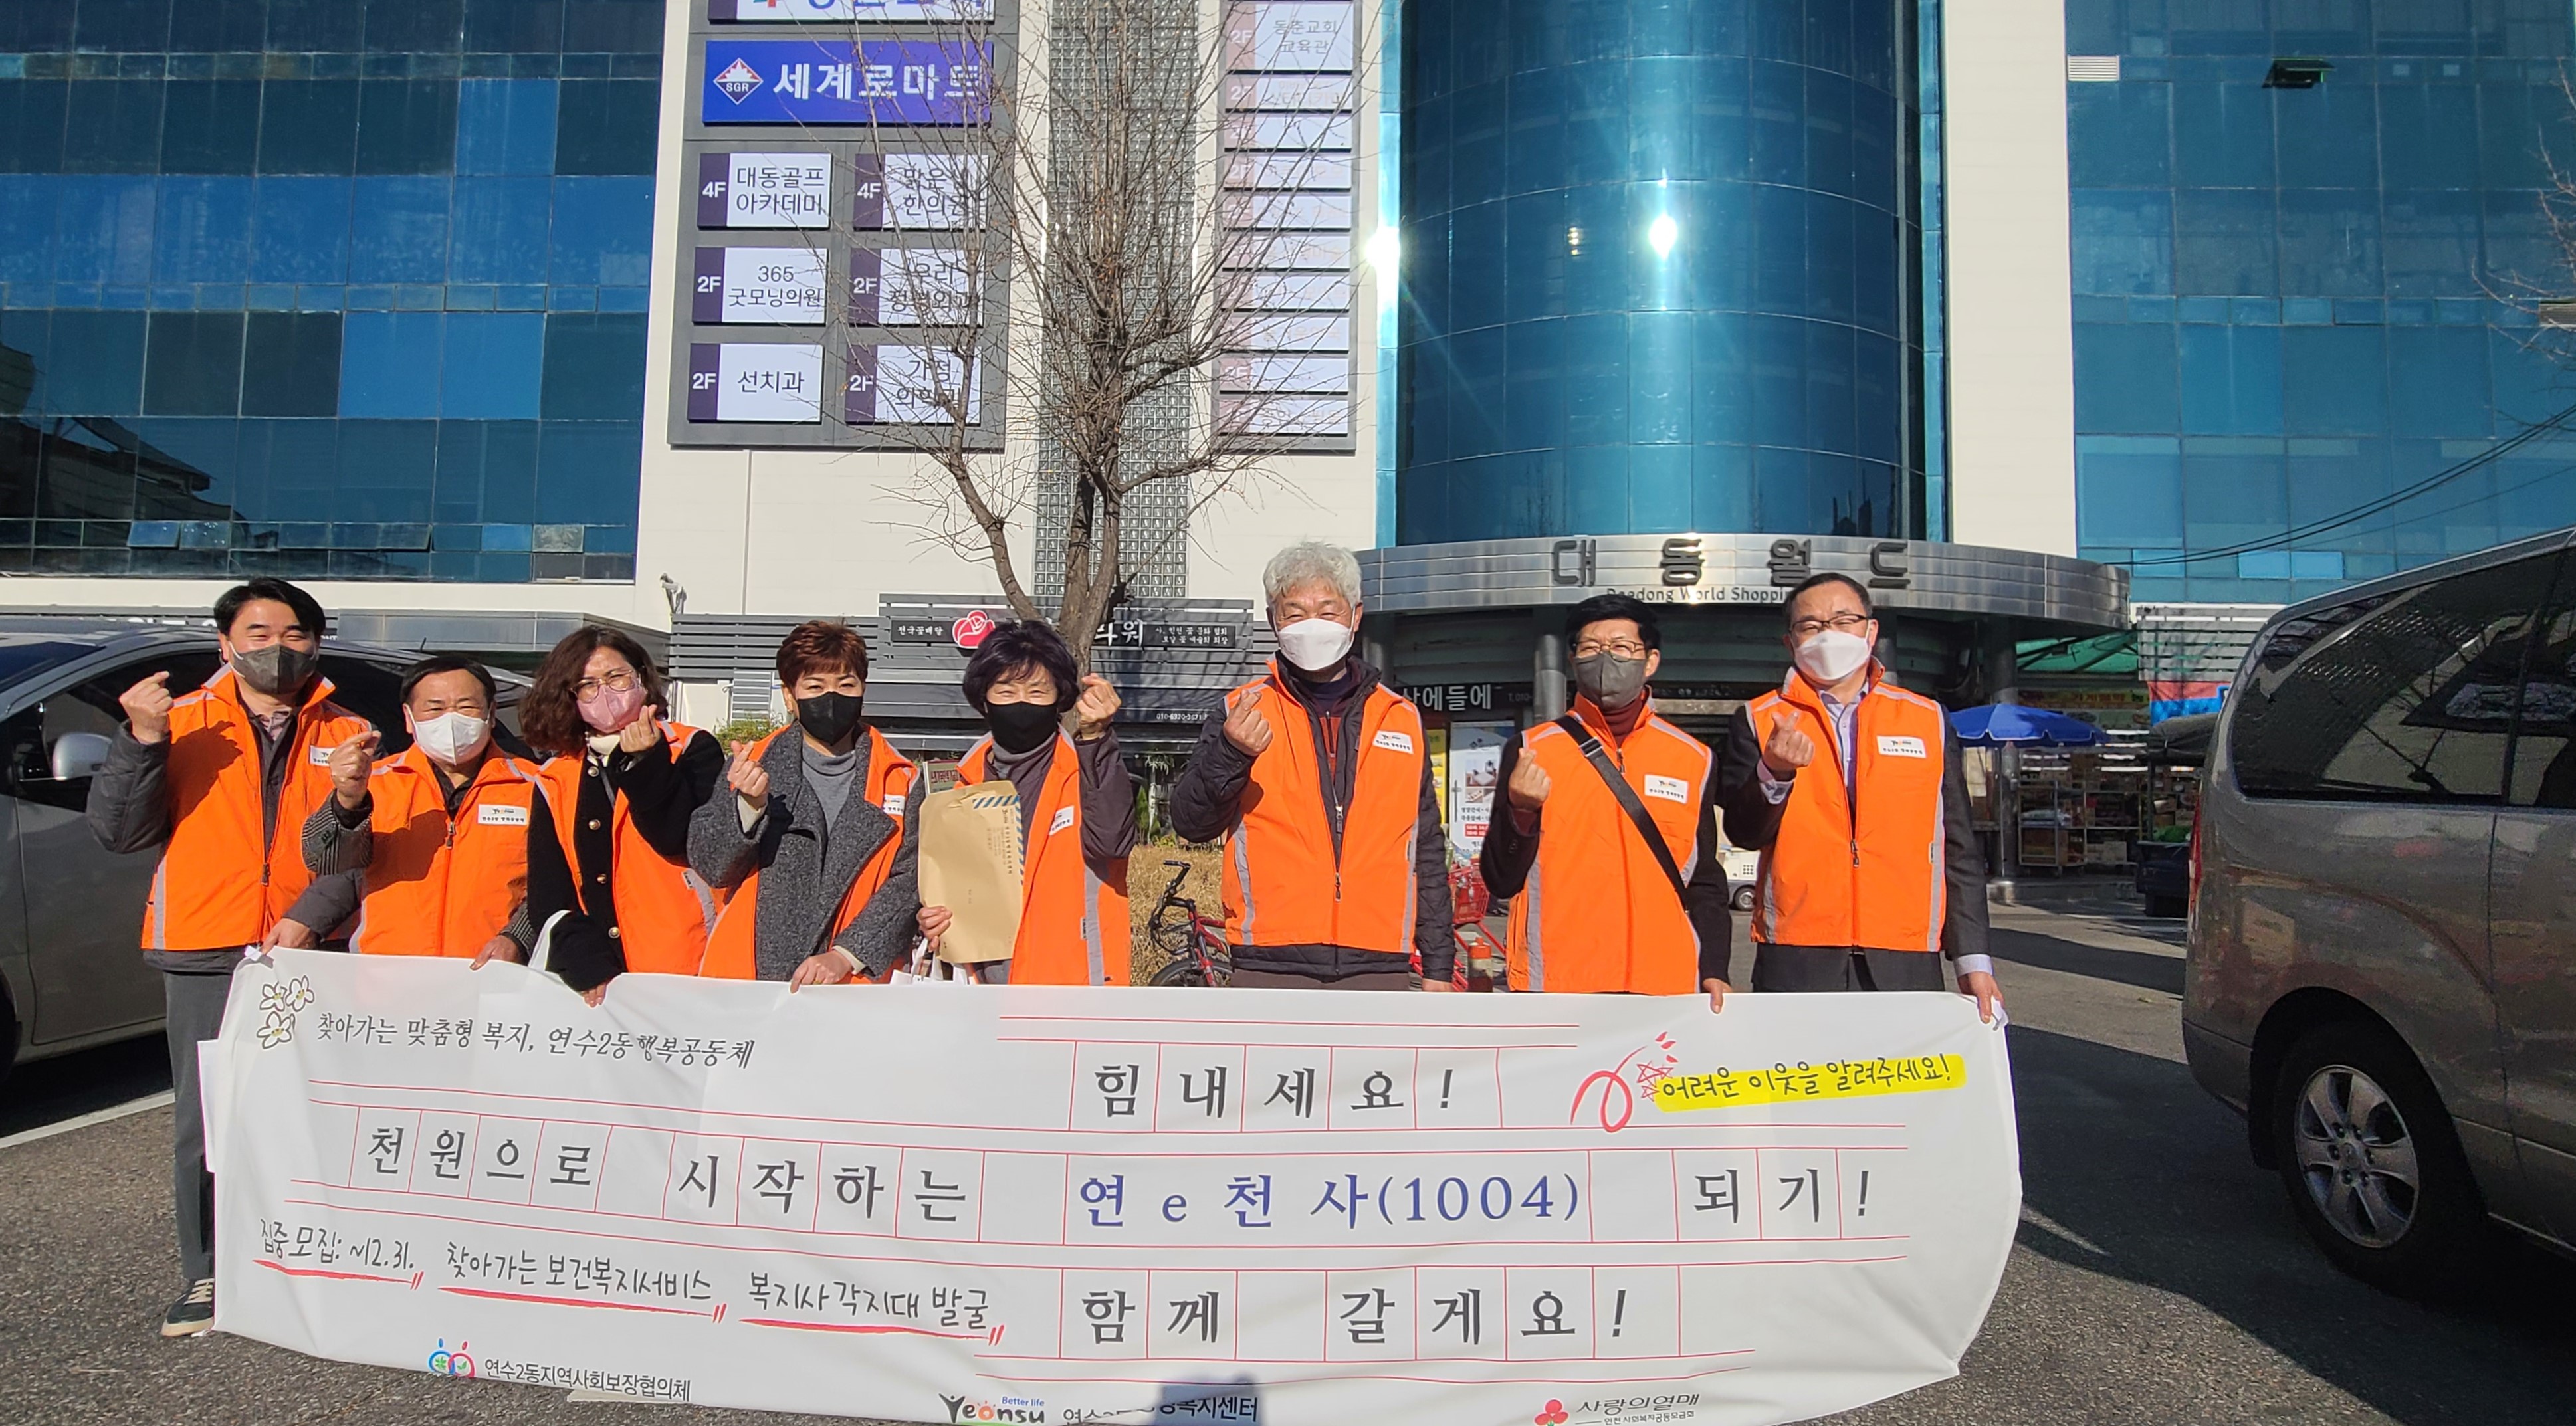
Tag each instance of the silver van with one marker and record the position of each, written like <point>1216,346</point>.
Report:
<point>71,912</point>
<point>2383,924</point>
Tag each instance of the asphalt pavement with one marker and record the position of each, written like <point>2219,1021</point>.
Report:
<point>2159,1276</point>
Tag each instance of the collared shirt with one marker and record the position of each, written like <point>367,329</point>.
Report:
<point>1846,720</point>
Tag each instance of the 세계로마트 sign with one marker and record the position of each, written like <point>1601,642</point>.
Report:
<point>1079,1205</point>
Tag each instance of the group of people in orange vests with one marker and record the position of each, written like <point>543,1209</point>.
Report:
<point>630,843</point>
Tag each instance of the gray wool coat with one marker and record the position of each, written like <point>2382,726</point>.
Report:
<point>804,869</point>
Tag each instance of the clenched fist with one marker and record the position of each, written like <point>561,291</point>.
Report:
<point>1096,709</point>
<point>1246,728</point>
<point>1530,784</point>
<point>350,763</point>
<point>147,708</point>
<point>749,780</point>
<point>1787,749</point>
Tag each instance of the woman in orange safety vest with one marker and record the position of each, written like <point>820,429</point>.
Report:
<point>813,841</point>
<point>1077,808</point>
<point>608,833</point>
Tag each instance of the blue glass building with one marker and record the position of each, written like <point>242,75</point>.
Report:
<point>343,288</point>
<point>1661,269</point>
<point>2292,303</point>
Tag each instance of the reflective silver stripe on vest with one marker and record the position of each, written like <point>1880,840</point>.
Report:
<point>358,936</point>
<point>1243,877</point>
<point>1406,945</point>
<point>158,908</point>
<point>1532,920</point>
<point>706,898</point>
<point>1091,928</point>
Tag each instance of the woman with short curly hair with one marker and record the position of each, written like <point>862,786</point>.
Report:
<point>1077,807</point>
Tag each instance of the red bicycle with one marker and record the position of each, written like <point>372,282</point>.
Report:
<point>1194,946</point>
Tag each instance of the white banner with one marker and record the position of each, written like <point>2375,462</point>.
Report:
<point>1074,1205</point>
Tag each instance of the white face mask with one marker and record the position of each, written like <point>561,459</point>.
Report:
<point>451,738</point>
<point>1315,644</point>
<point>1831,655</point>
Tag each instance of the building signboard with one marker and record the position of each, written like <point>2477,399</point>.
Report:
<point>824,151</point>
<point>832,82</point>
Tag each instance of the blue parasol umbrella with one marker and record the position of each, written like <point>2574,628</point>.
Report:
<point>1999,723</point>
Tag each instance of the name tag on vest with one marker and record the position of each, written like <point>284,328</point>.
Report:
<point>1671,789</point>
<point>321,755</point>
<point>1063,819</point>
<point>1393,741</point>
<point>1899,747</point>
<point>500,815</point>
<point>894,804</point>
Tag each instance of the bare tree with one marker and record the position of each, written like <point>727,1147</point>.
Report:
<point>1122,242</point>
<point>2546,295</point>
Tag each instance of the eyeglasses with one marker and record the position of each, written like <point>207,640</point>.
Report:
<point>1844,623</point>
<point>589,689</point>
<point>1587,649</point>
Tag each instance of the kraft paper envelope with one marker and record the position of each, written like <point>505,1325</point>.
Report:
<point>970,863</point>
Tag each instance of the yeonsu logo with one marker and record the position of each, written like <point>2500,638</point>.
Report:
<point>443,1362</point>
<point>1017,1410</point>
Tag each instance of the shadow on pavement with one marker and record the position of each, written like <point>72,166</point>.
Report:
<point>2143,1176</point>
<point>52,1090</point>
<point>2143,969</point>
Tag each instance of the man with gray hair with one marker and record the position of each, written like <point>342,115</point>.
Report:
<point>1318,777</point>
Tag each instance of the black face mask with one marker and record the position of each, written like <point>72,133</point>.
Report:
<point>1018,727</point>
<point>828,717</point>
<point>278,671</point>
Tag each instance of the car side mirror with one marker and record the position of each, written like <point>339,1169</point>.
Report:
<point>78,755</point>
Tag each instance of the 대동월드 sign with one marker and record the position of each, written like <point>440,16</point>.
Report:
<point>1121,1205</point>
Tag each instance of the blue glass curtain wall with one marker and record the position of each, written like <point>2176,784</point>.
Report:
<point>343,288</point>
<point>1661,263</point>
<point>2292,302</point>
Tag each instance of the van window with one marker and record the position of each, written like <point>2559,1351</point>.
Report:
<point>2544,744</point>
<point>2406,697</point>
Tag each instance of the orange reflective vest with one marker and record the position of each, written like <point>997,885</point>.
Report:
<point>438,886</point>
<point>1878,881</point>
<point>663,909</point>
<point>1283,884</point>
<point>1073,923</point>
<point>221,882</point>
<point>889,789</point>
<point>1598,914</point>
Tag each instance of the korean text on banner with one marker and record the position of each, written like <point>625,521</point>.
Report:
<point>1117,1205</point>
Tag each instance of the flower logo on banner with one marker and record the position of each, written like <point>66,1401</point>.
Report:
<point>1552,1414</point>
<point>969,632</point>
<point>279,1004</point>
<point>1618,1101</point>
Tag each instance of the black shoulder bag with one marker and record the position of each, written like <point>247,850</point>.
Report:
<point>1628,802</point>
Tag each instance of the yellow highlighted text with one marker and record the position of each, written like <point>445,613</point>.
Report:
<point>1802,1082</point>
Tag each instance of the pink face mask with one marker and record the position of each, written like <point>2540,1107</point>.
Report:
<point>612,710</point>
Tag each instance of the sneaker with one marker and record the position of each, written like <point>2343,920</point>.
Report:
<point>193,1313</point>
